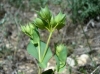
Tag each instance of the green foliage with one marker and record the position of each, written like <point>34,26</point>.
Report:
<point>23,4</point>
<point>33,51</point>
<point>62,4</point>
<point>60,56</point>
<point>38,3</point>
<point>16,3</point>
<point>56,1</point>
<point>84,9</point>
<point>40,50</point>
<point>48,21</point>
<point>47,57</point>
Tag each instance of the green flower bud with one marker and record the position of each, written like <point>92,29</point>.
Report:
<point>31,26</point>
<point>28,29</point>
<point>45,13</point>
<point>59,48</point>
<point>60,18</point>
<point>52,22</point>
<point>23,28</point>
<point>39,23</point>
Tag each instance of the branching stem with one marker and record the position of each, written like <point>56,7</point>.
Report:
<point>46,48</point>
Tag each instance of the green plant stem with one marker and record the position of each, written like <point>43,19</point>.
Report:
<point>46,48</point>
<point>39,52</point>
<point>39,70</point>
<point>93,62</point>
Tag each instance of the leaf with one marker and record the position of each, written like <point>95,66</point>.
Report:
<point>35,38</point>
<point>60,58</point>
<point>32,50</point>
<point>63,54</point>
<point>59,67</point>
<point>60,25</point>
<point>47,57</point>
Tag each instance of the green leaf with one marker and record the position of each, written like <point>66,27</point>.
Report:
<point>47,57</point>
<point>60,66</point>
<point>60,57</point>
<point>60,25</point>
<point>35,39</point>
<point>32,50</point>
<point>63,54</point>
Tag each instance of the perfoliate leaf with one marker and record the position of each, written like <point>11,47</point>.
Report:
<point>60,66</point>
<point>32,50</point>
<point>47,57</point>
<point>35,38</point>
<point>61,56</point>
<point>60,25</point>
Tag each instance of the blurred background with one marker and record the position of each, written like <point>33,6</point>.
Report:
<point>81,35</point>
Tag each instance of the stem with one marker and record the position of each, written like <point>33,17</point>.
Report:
<point>46,48</point>
<point>86,38</point>
<point>39,52</point>
<point>93,62</point>
<point>39,70</point>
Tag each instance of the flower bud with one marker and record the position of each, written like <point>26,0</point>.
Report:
<point>45,13</point>
<point>28,29</point>
<point>39,23</point>
<point>52,22</point>
<point>59,48</point>
<point>60,20</point>
<point>60,17</point>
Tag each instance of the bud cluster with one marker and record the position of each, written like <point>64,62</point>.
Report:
<point>59,49</point>
<point>47,21</point>
<point>28,29</point>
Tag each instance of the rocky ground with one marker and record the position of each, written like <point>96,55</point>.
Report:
<point>84,51</point>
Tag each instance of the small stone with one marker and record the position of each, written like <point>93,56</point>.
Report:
<point>70,62</point>
<point>8,45</point>
<point>22,67</point>
<point>5,67</point>
<point>83,60</point>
